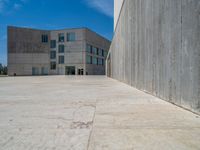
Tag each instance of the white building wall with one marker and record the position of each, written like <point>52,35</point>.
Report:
<point>117,9</point>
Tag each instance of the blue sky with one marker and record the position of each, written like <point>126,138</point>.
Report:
<point>55,14</point>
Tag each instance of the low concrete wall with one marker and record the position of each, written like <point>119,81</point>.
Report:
<point>156,48</point>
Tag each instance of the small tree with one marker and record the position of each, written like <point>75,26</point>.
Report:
<point>1,68</point>
<point>5,70</point>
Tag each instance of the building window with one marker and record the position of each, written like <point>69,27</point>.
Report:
<point>100,61</point>
<point>53,66</point>
<point>102,53</point>
<point>89,59</point>
<point>105,53</point>
<point>97,51</point>
<point>61,60</point>
<point>61,37</point>
<point>71,36</point>
<point>94,61</point>
<point>94,50</point>
<point>44,38</point>
<point>53,43</point>
<point>53,54</point>
<point>89,48</point>
<point>61,48</point>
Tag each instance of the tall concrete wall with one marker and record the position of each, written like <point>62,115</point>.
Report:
<point>156,48</point>
<point>117,9</point>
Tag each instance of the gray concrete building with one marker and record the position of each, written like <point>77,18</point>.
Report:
<point>156,49</point>
<point>58,52</point>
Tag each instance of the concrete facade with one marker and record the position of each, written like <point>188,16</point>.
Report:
<point>29,55</point>
<point>117,9</point>
<point>156,49</point>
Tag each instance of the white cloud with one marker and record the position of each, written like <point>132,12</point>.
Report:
<point>3,3</point>
<point>104,6</point>
<point>8,6</point>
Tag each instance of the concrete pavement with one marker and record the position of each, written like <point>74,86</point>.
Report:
<point>92,112</point>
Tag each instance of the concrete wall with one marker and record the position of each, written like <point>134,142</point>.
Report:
<point>117,9</point>
<point>156,48</point>
<point>25,50</point>
<point>97,40</point>
<point>74,51</point>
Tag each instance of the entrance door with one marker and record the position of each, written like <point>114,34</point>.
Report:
<point>80,71</point>
<point>70,70</point>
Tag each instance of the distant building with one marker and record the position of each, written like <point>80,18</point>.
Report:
<point>59,52</point>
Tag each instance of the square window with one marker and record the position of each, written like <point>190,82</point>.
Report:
<point>53,55</point>
<point>71,36</point>
<point>61,37</point>
<point>61,48</point>
<point>53,65</point>
<point>61,59</point>
<point>53,43</point>
<point>44,38</point>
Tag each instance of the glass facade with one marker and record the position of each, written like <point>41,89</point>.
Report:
<point>71,36</point>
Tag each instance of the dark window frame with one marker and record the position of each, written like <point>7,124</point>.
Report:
<point>61,48</point>
<point>61,61</point>
<point>69,37</point>
<point>53,44</point>
<point>102,53</point>
<point>61,37</point>
<point>52,54</point>
<point>53,65</point>
<point>45,38</point>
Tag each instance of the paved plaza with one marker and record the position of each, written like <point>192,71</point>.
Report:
<point>90,113</point>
